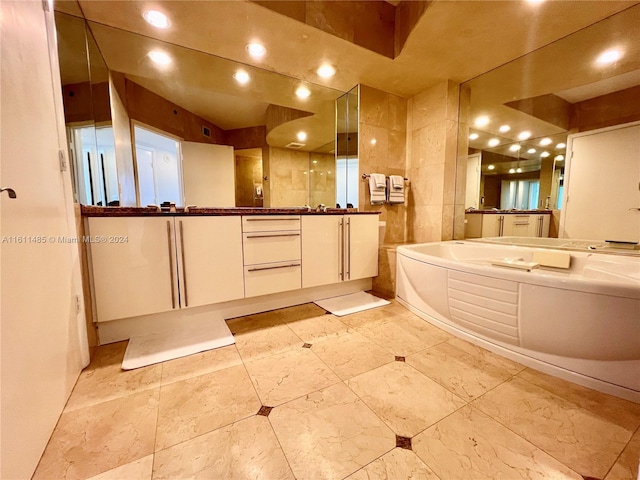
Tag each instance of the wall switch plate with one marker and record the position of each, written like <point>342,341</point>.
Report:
<point>77,304</point>
<point>62,160</point>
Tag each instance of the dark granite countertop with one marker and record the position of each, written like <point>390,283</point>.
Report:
<point>93,211</point>
<point>508,212</point>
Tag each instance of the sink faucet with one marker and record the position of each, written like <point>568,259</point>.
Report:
<point>321,208</point>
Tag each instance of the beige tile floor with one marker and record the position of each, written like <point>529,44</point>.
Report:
<point>302,394</point>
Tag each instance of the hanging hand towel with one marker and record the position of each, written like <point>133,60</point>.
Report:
<point>396,192</point>
<point>377,188</point>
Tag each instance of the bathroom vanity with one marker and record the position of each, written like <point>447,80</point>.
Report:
<point>151,270</point>
<point>499,223</point>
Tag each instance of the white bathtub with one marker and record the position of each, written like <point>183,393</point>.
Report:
<point>580,323</point>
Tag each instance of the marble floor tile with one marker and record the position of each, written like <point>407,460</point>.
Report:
<point>262,342</point>
<point>201,404</point>
<point>626,467</point>
<point>403,335</point>
<point>470,445</point>
<point>487,356</point>
<point>330,434</point>
<point>138,470</point>
<point>105,380</point>
<point>404,398</point>
<point>315,329</point>
<point>582,440</point>
<point>615,410</point>
<point>351,354</point>
<point>95,439</point>
<point>199,364</point>
<point>367,317</point>
<point>467,375</point>
<point>247,449</point>
<point>288,375</point>
<point>395,465</point>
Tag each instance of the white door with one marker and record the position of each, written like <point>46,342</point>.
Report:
<point>472,195</point>
<point>209,175</point>
<point>602,185</point>
<point>361,246</point>
<point>43,340</point>
<point>322,249</point>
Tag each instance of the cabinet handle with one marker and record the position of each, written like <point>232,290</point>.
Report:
<point>501,229</point>
<point>348,249</point>
<point>521,223</point>
<point>184,266</point>
<point>173,291</point>
<point>540,222</point>
<point>291,265</point>
<point>278,235</point>
<point>270,219</point>
<point>341,249</point>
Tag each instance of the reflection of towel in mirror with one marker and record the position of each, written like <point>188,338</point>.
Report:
<point>396,190</point>
<point>377,188</point>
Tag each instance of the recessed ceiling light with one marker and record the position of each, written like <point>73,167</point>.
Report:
<point>326,70</point>
<point>159,57</point>
<point>504,128</point>
<point>524,135</point>
<point>561,145</point>
<point>473,136</point>
<point>545,141</point>
<point>314,162</point>
<point>491,167</point>
<point>303,92</point>
<point>559,158</point>
<point>518,170</point>
<point>373,141</point>
<point>512,170</point>
<point>531,150</point>
<point>545,154</point>
<point>256,50</point>
<point>156,18</point>
<point>482,121</point>
<point>535,2</point>
<point>609,56</point>
<point>302,136</point>
<point>515,147</point>
<point>494,142</point>
<point>241,77</point>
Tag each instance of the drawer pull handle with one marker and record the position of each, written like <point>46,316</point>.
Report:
<point>272,236</point>
<point>270,219</point>
<point>184,266</point>
<point>273,268</point>
<point>173,291</point>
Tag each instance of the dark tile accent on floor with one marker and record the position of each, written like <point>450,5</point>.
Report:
<point>589,478</point>
<point>399,359</point>
<point>265,411</point>
<point>403,442</point>
<point>307,345</point>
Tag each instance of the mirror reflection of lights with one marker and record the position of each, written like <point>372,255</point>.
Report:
<point>159,57</point>
<point>518,170</point>
<point>473,136</point>
<point>493,142</point>
<point>326,71</point>
<point>504,128</point>
<point>545,141</point>
<point>482,121</point>
<point>559,158</point>
<point>256,50</point>
<point>515,147</point>
<point>373,141</point>
<point>303,92</point>
<point>531,150</point>
<point>524,135</point>
<point>491,167</point>
<point>610,56</point>
<point>302,136</point>
<point>561,145</point>
<point>314,162</point>
<point>156,18</point>
<point>512,170</point>
<point>242,77</point>
<point>545,154</point>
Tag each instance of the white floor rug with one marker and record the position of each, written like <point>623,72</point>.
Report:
<point>347,304</point>
<point>159,347</point>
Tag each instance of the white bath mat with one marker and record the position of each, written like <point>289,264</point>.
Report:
<point>347,304</point>
<point>160,347</point>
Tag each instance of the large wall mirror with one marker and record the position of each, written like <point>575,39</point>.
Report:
<point>189,127</point>
<point>524,115</point>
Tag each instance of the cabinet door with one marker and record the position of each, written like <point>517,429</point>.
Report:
<point>210,256</point>
<point>492,225</point>
<point>361,246</point>
<point>516,225</point>
<point>539,225</point>
<point>321,249</point>
<point>133,270</point>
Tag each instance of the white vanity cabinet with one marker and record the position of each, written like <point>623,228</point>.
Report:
<point>146,265</point>
<point>507,225</point>
<point>338,248</point>
<point>272,254</point>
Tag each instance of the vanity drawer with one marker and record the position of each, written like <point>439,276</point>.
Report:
<point>272,278</point>
<point>269,247</point>
<point>270,223</point>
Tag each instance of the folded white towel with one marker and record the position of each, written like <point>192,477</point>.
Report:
<point>377,188</point>
<point>397,182</point>
<point>396,190</point>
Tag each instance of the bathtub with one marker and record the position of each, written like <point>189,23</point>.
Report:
<point>581,323</point>
<point>596,246</point>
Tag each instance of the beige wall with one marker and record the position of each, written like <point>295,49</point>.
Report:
<point>248,173</point>
<point>288,178</point>
<point>383,117</point>
<point>322,181</point>
<point>208,173</point>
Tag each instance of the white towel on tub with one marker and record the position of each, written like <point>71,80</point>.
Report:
<point>377,188</point>
<point>396,189</point>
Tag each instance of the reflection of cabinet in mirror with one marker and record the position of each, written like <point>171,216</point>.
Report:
<point>482,225</point>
